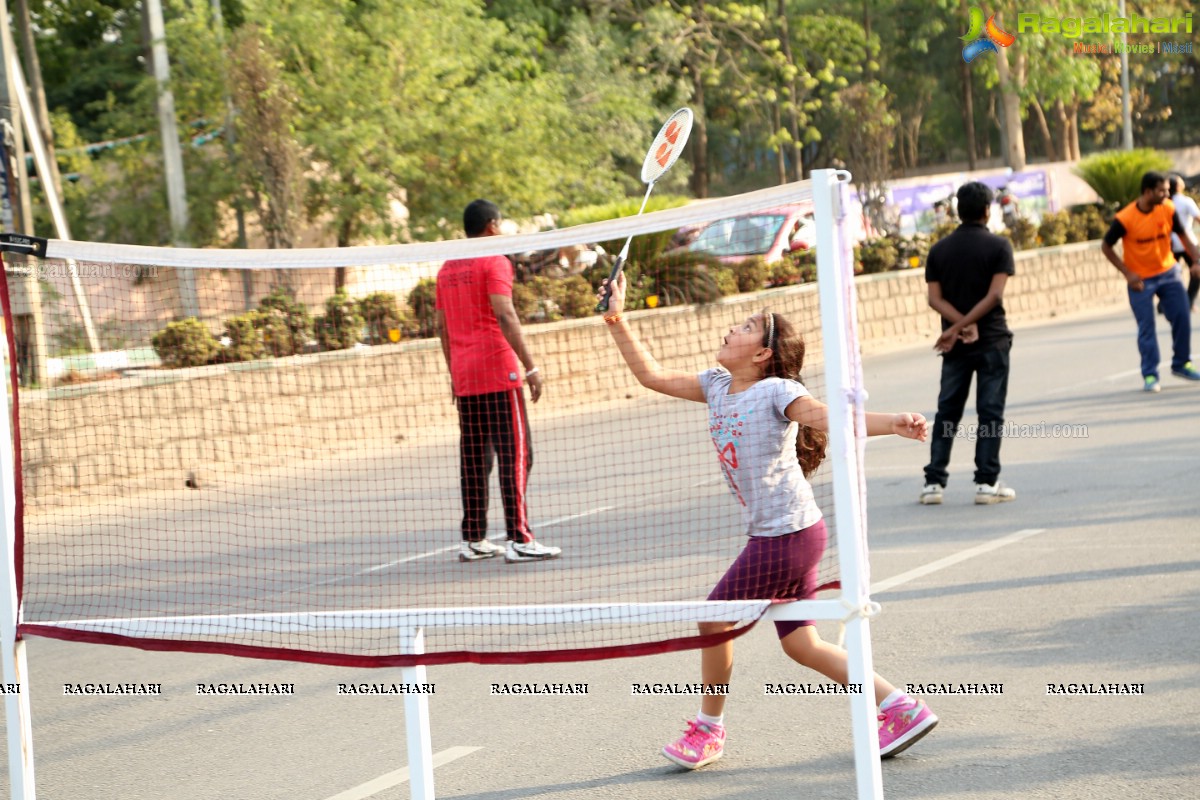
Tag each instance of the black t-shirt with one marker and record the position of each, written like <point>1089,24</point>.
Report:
<point>964,263</point>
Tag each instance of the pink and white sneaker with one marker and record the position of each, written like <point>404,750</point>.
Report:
<point>700,744</point>
<point>902,723</point>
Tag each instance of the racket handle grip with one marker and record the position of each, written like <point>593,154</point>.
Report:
<point>602,306</point>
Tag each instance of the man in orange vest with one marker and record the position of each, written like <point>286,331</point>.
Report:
<point>1144,227</point>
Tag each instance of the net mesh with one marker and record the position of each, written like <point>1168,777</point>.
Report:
<point>294,489</point>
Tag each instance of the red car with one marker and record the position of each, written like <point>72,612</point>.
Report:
<point>764,234</point>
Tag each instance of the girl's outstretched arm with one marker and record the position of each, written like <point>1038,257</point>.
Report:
<point>809,411</point>
<point>643,365</point>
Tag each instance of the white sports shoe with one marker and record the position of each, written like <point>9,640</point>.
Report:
<point>475,551</point>
<point>988,493</point>
<point>530,551</point>
<point>931,495</point>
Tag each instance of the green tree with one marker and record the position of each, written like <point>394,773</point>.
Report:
<point>269,159</point>
<point>864,137</point>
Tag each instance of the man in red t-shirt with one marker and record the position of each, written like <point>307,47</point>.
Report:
<point>487,356</point>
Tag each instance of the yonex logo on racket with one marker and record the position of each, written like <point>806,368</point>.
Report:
<point>667,148</point>
<point>983,37</point>
<point>667,145</point>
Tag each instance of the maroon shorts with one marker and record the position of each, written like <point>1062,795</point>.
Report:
<point>776,568</point>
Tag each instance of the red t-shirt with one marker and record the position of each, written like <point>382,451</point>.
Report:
<point>481,359</point>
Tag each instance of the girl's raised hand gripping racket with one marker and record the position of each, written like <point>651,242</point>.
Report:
<point>664,152</point>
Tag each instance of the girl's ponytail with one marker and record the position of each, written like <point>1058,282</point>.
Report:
<point>810,448</point>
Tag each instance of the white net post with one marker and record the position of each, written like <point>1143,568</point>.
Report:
<point>845,396</point>
<point>416,719</point>
<point>12,651</point>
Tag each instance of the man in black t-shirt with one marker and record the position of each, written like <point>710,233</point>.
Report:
<point>966,273</point>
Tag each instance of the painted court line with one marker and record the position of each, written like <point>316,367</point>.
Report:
<point>400,776</point>
<point>892,469</point>
<point>453,547</point>
<point>496,536</point>
<point>949,561</point>
<point>1116,376</point>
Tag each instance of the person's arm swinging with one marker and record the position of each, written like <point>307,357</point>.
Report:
<point>645,367</point>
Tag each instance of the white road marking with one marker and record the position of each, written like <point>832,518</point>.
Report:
<point>496,536</point>
<point>1116,376</point>
<point>949,561</point>
<point>453,547</point>
<point>400,776</point>
<point>876,471</point>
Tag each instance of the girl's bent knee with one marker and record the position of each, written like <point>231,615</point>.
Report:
<point>712,628</point>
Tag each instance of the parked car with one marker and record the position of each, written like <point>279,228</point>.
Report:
<point>763,234</point>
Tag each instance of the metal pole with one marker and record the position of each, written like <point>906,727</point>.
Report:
<point>13,665</point>
<point>37,92</point>
<point>1126,117</point>
<point>22,212</point>
<point>844,402</point>
<point>172,154</point>
<point>52,200</point>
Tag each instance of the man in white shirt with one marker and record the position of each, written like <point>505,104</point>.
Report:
<point>1187,212</point>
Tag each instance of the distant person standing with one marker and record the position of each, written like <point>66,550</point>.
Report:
<point>966,273</point>
<point>487,356</point>
<point>1144,228</point>
<point>1187,212</point>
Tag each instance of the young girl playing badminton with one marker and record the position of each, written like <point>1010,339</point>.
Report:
<point>769,433</point>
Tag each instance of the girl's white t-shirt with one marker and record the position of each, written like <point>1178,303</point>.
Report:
<point>756,447</point>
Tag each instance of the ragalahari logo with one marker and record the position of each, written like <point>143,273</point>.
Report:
<point>982,38</point>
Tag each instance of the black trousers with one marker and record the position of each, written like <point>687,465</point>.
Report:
<point>490,426</point>
<point>989,366</point>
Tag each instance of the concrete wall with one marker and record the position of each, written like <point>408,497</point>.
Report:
<point>155,430</point>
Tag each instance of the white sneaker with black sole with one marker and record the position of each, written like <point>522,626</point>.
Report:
<point>988,493</point>
<point>476,551</point>
<point>530,551</point>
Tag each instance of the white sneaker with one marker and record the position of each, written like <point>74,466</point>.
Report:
<point>474,551</point>
<point>931,495</point>
<point>530,551</point>
<point>986,494</point>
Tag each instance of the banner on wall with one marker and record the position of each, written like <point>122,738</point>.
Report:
<point>921,207</point>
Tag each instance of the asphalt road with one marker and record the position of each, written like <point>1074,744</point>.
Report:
<point>1101,587</point>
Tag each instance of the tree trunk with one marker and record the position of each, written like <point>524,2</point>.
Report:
<point>968,105</point>
<point>780,151</point>
<point>992,122</point>
<point>866,40</point>
<point>797,145</point>
<point>1010,108</point>
<point>1073,116</point>
<point>793,95</point>
<point>344,235</point>
<point>37,92</point>
<point>912,140</point>
<point>969,117</point>
<point>1043,128</point>
<point>699,138</point>
<point>230,140</point>
<point>1064,130</point>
